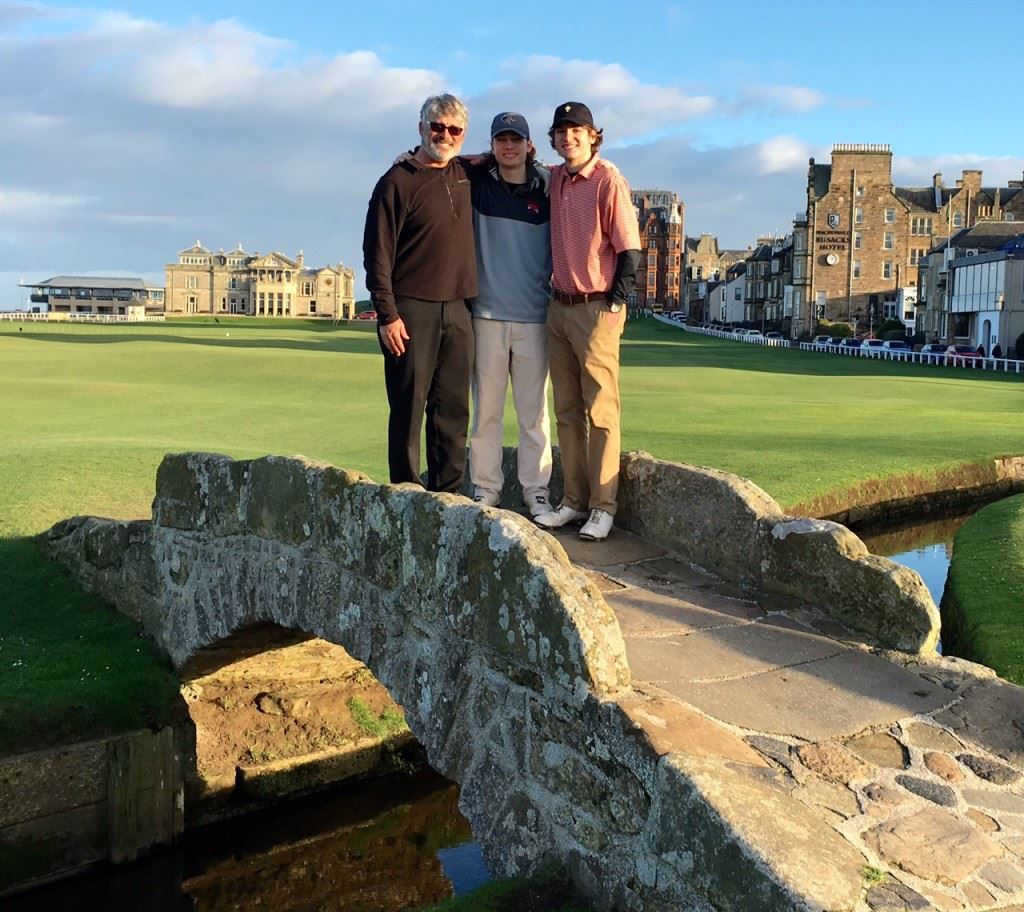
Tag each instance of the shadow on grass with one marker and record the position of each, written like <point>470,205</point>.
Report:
<point>323,342</point>
<point>71,667</point>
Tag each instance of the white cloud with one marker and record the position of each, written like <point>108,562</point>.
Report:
<point>783,153</point>
<point>917,170</point>
<point>615,96</point>
<point>781,98</point>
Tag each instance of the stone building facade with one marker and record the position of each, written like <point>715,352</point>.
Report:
<point>272,285</point>
<point>705,264</point>
<point>866,236</point>
<point>660,214</point>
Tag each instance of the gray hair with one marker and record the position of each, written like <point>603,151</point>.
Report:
<point>444,105</point>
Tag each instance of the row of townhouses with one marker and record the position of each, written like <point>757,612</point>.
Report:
<point>865,250</point>
<point>202,282</point>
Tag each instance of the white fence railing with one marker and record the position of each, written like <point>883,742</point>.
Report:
<point>24,317</point>
<point>1000,365</point>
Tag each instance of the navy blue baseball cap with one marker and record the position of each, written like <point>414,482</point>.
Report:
<point>510,122</point>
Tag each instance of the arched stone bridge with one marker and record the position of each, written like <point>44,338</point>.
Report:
<point>675,740</point>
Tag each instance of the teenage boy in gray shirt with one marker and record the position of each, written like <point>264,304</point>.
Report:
<point>511,222</point>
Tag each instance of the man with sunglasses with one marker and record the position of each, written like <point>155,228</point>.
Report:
<point>595,250</point>
<point>420,264</point>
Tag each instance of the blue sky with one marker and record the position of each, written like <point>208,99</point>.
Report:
<point>131,129</point>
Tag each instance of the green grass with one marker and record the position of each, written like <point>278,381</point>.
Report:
<point>983,605</point>
<point>88,411</point>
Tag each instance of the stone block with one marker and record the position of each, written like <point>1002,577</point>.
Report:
<point>753,845</point>
<point>182,493</point>
<point>932,844</point>
<point>278,500</point>
<point>715,520</point>
<point>826,565</point>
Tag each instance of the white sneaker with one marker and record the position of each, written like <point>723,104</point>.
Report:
<point>598,526</point>
<point>538,504</point>
<point>558,518</point>
<point>486,498</point>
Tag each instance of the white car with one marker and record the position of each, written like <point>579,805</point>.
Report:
<point>870,346</point>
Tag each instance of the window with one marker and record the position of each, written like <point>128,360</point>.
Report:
<point>858,215</point>
<point>887,269</point>
<point>858,240</point>
<point>890,215</point>
<point>916,255</point>
<point>856,269</point>
<point>860,190</point>
<point>1008,217</point>
<point>652,244</point>
<point>798,269</point>
<point>312,307</point>
<point>888,241</point>
<point>233,284</point>
<point>307,288</point>
<point>191,282</point>
<point>921,226</point>
<point>958,220</point>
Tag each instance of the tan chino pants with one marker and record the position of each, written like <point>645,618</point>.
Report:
<point>583,354</point>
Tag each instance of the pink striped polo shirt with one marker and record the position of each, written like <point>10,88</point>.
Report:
<point>592,221</point>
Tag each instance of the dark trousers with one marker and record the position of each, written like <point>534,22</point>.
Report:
<point>432,377</point>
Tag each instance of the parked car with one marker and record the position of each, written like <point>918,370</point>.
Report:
<point>850,343</point>
<point>933,352</point>
<point>773,335</point>
<point>961,355</point>
<point>821,340</point>
<point>893,345</point>
<point>367,315</point>
<point>753,333</point>
<point>870,346</point>
<point>836,340</point>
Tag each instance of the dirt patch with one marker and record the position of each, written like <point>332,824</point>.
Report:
<point>266,696</point>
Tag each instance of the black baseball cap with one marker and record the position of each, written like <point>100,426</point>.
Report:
<point>573,112</point>
<point>510,122</point>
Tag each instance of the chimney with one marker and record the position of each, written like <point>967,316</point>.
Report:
<point>937,179</point>
<point>300,260</point>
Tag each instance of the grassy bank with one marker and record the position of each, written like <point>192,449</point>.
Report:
<point>983,605</point>
<point>89,410</point>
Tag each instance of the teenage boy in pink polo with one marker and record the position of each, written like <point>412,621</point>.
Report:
<point>595,251</point>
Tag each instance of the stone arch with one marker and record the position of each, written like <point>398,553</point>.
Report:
<point>475,622</point>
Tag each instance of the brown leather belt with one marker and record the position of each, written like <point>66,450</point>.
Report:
<point>572,300</point>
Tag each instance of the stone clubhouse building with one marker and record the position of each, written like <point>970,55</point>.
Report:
<point>271,285</point>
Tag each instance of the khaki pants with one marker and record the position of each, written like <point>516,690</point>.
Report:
<point>518,351</point>
<point>583,354</point>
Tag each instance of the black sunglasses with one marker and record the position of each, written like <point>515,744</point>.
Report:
<point>439,128</point>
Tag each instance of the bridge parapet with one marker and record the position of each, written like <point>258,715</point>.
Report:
<point>506,658</point>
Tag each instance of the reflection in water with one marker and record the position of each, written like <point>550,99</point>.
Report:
<point>372,846</point>
<point>925,547</point>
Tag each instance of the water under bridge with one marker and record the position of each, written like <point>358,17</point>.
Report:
<point>721,707</point>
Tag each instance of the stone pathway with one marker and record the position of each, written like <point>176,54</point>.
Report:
<point>915,763</point>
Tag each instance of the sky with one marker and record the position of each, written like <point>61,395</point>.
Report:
<point>129,130</point>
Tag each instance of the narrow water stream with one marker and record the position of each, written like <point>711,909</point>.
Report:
<point>383,846</point>
<point>925,547</point>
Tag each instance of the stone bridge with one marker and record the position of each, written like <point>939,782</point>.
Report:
<point>719,708</point>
